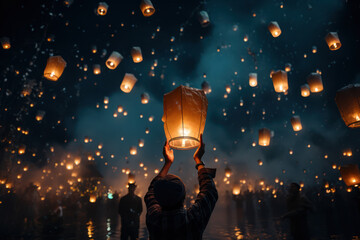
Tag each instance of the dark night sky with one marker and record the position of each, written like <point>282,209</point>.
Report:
<point>76,29</point>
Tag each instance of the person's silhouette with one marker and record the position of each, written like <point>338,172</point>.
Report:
<point>130,208</point>
<point>166,217</point>
<point>297,206</point>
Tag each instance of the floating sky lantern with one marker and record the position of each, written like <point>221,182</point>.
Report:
<point>147,8</point>
<point>184,118</point>
<point>253,79</point>
<point>5,43</point>
<point>305,90</point>
<point>68,3</point>
<point>280,81</point>
<point>133,150</point>
<point>227,172</point>
<point>145,98</point>
<point>314,49</point>
<point>228,89</point>
<point>260,163</point>
<point>333,41</point>
<point>204,19</point>
<point>128,82</point>
<point>22,149</point>
<point>264,137</point>
<point>315,82</point>
<point>236,189</point>
<point>348,102</point>
<point>347,152</point>
<point>102,8</point>
<point>350,174</point>
<point>92,198</point>
<point>274,29</point>
<point>141,142</point>
<point>296,123</point>
<point>136,54</point>
<point>131,178</point>
<point>114,59</point>
<point>288,67</point>
<point>54,68</point>
<point>40,115</point>
<point>96,69</point>
<point>206,87</point>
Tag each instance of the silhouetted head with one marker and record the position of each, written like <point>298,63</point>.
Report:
<point>170,192</point>
<point>132,187</point>
<point>294,189</point>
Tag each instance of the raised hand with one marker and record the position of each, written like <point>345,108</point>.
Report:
<point>200,151</point>
<point>168,153</point>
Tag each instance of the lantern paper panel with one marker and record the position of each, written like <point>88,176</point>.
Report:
<point>184,118</point>
<point>253,79</point>
<point>128,82</point>
<point>280,81</point>
<point>350,174</point>
<point>296,123</point>
<point>136,54</point>
<point>305,90</point>
<point>204,19</point>
<point>333,41</point>
<point>54,68</point>
<point>102,8</point>
<point>348,102</point>
<point>5,43</point>
<point>264,137</point>
<point>315,82</point>
<point>114,59</point>
<point>147,8</point>
<point>274,29</point>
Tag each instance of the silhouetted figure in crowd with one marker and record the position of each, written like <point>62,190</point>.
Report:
<point>297,206</point>
<point>130,209</point>
<point>31,210</point>
<point>166,216</point>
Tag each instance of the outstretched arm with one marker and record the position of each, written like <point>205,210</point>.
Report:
<point>169,159</point>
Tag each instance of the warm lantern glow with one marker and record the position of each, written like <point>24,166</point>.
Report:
<point>274,29</point>
<point>96,69</point>
<point>350,174</point>
<point>145,98</point>
<point>305,90</point>
<point>204,19</point>
<point>253,79</point>
<point>348,102</point>
<point>128,82</point>
<point>315,82</point>
<point>133,150</point>
<point>136,54</point>
<point>92,198</point>
<point>54,68</point>
<point>264,137</point>
<point>147,8</point>
<point>296,123</point>
<point>114,59</point>
<point>69,166</point>
<point>287,67</point>
<point>228,89</point>
<point>40,115</point>
<point>22,149</point>
<point>206,87</point>
<point>102,8</point>
<point>227,172</point>
<point>141,142</point>
<point>131,178</point>
<point>333,41</point>
<point>5,43</point>
<point>280,81</point>
<point>184,118</point>
<point>236,189</point>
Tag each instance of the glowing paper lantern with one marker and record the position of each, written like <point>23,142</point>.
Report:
<point>274,29</point>
<point>133,150</point>
<point>305,90</point>
<point>348,102</point>
<point>54,68</point>
<point>204,19</point>
<point>145,98</point>
<point>228,89</point>
<point>40,115</point>
<point>227,172</point>
<point>236,189</point>
<point>147,8</point>
<point>92,198</point>
<point>206,87</point>
<point>296,123</point>
<point>102,8</point>
<point>68,3</point>
<point>131,178</point>
<point>350,174</point>
<point>287,67</point>
<point>264,137</point>
<point>5,43</point>
<point>280,81</point>
<point>184,118</point>
<point>128,82</point>
<point>96,69</point>
<point>315,82</point>
<point>136,54</point>
<point>22,149</point>
<point>253,79</point>
<point>113,61</point>
<point>333,41</point>
<point>141,142</point>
